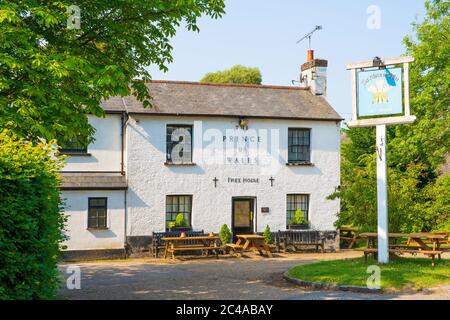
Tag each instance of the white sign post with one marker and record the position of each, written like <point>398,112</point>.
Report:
<point>379,99</point>
<point>382,197</point>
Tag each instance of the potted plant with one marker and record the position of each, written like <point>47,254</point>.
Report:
<point>225,234</point>
<point>180,224</point>
<point>268,235</point>
<point>298,222</point>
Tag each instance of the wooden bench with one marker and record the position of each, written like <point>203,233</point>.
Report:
<point>399,251</point>
<point>235,248</point>
<point>301,238</point>
<point>173,249</point>
<point>157,245</point>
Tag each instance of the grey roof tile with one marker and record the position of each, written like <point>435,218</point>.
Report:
<point>233,100</point>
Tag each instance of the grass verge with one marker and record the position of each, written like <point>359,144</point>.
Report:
<point>399,273</point>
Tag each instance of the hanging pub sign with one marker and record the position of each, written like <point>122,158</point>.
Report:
<point>380,92</point>
<point>380,97</point>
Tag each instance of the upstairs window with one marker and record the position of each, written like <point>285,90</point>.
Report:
<point>179,144</point>
<point>97,213</point>
<point>73,145</point>
<point>299,145</point>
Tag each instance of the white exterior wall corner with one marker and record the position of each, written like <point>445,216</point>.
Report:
<point>149,180</point>
<point>105,151</point>
<point>82,238</point>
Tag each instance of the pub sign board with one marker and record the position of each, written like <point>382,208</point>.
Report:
<point>380,92</point>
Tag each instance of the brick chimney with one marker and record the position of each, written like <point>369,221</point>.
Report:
<point>314,74</point>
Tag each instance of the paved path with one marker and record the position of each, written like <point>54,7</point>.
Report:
<point>208,278</point>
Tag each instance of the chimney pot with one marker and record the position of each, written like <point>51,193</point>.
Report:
<point>310,56</point>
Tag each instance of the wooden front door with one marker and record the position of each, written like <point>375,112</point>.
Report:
<point>242,216</point>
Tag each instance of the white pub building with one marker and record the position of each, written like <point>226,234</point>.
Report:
<point>242,155</point>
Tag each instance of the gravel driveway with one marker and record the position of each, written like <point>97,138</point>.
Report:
<point>251,277</point>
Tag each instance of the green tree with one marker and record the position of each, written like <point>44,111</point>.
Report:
<point>268,235</point>
<point>236,74</point>
<point>418,194</point>
<point>52,75</point>
<point>225,234</point>
<point>31,219</point>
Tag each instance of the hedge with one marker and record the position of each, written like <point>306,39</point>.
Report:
<point>31,219</point>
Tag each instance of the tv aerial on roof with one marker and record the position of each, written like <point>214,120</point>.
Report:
<point>309,35</point>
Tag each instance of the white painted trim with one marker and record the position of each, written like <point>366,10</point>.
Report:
<point>385,61</point>
<point>354,94</point>
<point>406,88</point>
<point>378,121</point>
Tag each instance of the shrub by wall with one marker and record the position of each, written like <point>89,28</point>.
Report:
<point>31,219</point>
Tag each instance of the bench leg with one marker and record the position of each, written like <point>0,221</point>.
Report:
<point>322,248</point>
<point>433,263</point>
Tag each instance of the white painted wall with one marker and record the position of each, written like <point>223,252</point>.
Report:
<point>80,238</point>
<point>150,180</point>
<point>105,151</point>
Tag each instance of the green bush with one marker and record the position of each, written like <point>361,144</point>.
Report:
<point>299,218</point>
<point>225,234</point>
<point>268,235</point>
<point>31,219</point>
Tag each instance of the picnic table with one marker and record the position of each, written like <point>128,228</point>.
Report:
<point>416,243</point>
<point>252,242</point>
<point>349,234</point>
<point>196,243</point>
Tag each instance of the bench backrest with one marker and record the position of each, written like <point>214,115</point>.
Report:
<point>301,236</point>
<point>156,236</point>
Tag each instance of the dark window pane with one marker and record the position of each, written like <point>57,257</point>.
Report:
<point>299,145</point>
<point>294,202</point>
<point>97,213</point>
<point>179,204</point>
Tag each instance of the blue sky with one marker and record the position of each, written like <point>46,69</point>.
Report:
<point>263,34</point>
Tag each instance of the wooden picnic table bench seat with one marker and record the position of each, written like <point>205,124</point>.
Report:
<point>430,253</point>
<point>194,248</point>
<point>157,245</point>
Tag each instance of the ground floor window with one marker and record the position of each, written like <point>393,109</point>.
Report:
<point>97,212</point>
<point>175,205</point>
<point>295,202</point>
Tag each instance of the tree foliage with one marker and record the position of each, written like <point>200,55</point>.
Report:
<point>268,237</point>
<point>418,192</point>
<point>225,234</point>
<point>51,76</point>
<point>236,74</point>
<point>31,219</point>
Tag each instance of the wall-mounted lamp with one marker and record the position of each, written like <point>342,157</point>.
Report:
<point>243,123</point>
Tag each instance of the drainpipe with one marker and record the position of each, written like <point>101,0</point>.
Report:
<point>124,121</point>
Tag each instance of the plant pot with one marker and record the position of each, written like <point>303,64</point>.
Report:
<point>180,229</point>
<point>304,226</point>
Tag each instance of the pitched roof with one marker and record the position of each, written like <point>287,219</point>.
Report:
<point>93,181</point>
<point>230,100</point>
